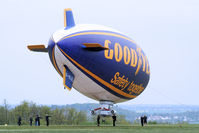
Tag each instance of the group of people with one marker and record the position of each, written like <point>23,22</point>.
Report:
<point>113,117</point>
<point>37,120</point>
<point>143,120</point>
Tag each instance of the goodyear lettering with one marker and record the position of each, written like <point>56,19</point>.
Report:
<point>127,55</point>
<point>118,52</point>
<point>143,58</point>
<point>108,53</point>
<point>147,68</point>
<point>139,61</point>
<point>132,57</point>
<point>134,88</point>
<point>120,81</point>
<point>123,83</point>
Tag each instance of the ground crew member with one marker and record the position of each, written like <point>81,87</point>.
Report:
<point>142,121</point>
<point>114,119</point>
<point>30,121</point>
<point>19,121</point>
<point>36,121</point>
<point>47,119</point>
<point>145,119</point>
<point>98,120</point>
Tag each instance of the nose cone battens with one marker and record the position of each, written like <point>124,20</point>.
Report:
<point>68,18</point>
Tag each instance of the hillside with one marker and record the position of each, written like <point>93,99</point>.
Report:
<point>159,113</point>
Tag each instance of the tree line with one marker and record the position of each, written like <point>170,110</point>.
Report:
<point>60,116</point>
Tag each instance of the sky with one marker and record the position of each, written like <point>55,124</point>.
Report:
<point>167,31</point>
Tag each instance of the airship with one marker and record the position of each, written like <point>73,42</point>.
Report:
<point>99,62</point>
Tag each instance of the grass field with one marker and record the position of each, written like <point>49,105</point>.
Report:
<point>103,129</point>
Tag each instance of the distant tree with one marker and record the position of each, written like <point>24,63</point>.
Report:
<point>152,122</point>
<point>2,115</point>
<point>58,117</point>
<point>71,116</point>
<point>34,109</point>
<point>121,119</point>
<point>23,111</point>
<point>81,117</point>
<point>45,110</point>
<point>6,111</point>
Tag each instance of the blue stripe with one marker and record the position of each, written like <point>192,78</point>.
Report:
<point>100,84</point>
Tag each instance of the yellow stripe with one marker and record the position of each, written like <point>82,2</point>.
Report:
<point>65,17</point>
<point>99,79</point>
<point>64,79</point>
<point>53,56</point>
<point>35,47</point>
<point>64,75</point>
<point>67,87</point>
<point>92,45</point>
<point>68,9</point>
<point>65,22</point>
<point>99,33</point>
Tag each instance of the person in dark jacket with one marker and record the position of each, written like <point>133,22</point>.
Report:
<point>98,120</point>
<point>47,119</point>
<point>37,120</point>
<point>30,120</point>
<point>145,119</point>
<point>142,120</point>
<point>114,119</point>
<point>19,121</point>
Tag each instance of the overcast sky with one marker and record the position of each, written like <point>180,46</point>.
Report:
<point>167,31</point>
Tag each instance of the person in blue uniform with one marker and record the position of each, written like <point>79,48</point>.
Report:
<point>37,120</point>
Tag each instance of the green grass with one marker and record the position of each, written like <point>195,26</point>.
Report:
<point>184,128</point>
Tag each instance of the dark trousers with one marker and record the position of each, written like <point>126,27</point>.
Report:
<point>98,120</point>
<point>114,122</point>
<point>47,122</point>
<point>19,123</point>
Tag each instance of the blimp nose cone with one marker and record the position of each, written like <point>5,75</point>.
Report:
<point>51,43</point>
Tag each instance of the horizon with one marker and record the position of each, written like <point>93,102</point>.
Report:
<point>117,104</point>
